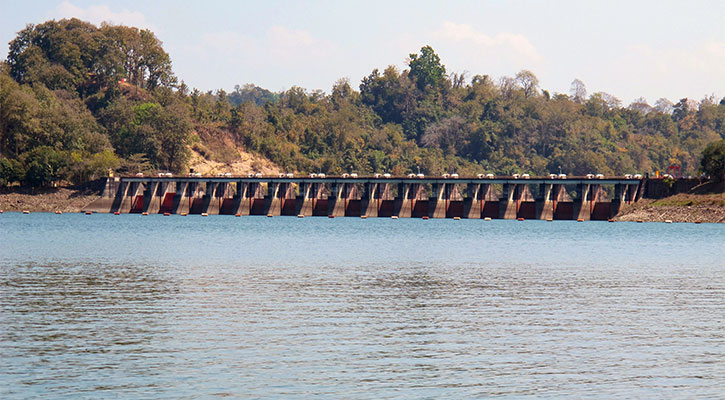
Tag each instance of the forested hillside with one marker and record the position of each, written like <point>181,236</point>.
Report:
<point>76,100</point>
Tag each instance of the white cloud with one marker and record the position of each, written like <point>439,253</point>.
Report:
<point>672,72</point>
<point>102,13</point>
<point>279,44</point>
<point>280,54</point>
<point>295,44</point>
<point>224,43</point>
<point>499,53</point>
<point>503,43</point>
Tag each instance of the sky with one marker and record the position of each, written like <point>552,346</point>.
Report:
<point>630,49</point>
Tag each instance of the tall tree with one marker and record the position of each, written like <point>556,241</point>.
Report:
<point>664,106</point>
<point>578,91</point>
<point>640,105</point>
<point>426,70</point>
<point>528,81</point>
<point>68,54</point>
<point>713,160</point>
<point>145,62</point>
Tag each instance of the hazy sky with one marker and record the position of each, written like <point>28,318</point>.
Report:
<point>631,48</point>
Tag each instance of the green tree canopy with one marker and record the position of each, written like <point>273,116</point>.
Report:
<point>74,55</point>
<point>713,160</point>
<point>66,114</point>
<point>426,70</point>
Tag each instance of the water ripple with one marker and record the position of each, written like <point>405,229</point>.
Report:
<point>338,321</point>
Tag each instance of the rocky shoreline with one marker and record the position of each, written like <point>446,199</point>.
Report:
<point>709,208</point>
<point>46,200</point>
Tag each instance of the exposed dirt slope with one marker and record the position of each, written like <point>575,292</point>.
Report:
<point>245,163</point>
<point>217,152</point>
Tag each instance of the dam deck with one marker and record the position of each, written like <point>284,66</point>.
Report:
<point>573,198</point>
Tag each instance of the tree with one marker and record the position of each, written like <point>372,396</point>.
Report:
<point>145,62</point>
<point>713,160</point>
<point>39,174</point>
<point>255,94</point>
<point>44,165</point>
<point>156,61</point>
<point>664,106</point>
<point>458,80</point>
<point>426,70</point>
<point>136,163</point>
<point>68,54</point>
<point>85,167</point>
<point>683,108</point>
<point>507,86</point>
<point>578,91</point>
<point>611,101</point>
<point>640,105</point>
<point>528,81</point>
<point>18,122</point>
<point>392,96</point>
<point>10,171</point>
<point>341,92</point>
<point>60,91</point>
<point>446,135</point>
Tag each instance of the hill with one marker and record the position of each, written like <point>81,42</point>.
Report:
<point>77,100</point>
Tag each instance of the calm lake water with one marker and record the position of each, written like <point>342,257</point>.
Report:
<point>134,306</point>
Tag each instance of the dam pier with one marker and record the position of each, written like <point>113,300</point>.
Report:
<point>510,197</point>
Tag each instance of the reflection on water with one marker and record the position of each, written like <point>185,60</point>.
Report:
<point>282,308</point>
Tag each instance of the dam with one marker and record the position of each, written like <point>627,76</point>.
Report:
<point>499,197</point>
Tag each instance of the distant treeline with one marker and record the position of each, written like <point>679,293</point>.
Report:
<point>77,100</point>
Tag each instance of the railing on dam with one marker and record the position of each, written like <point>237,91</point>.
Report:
<point>506,197</point>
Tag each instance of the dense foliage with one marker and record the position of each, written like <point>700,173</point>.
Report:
<point>76,100</point>
<point>421,118</point>
<point>713,160</point>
